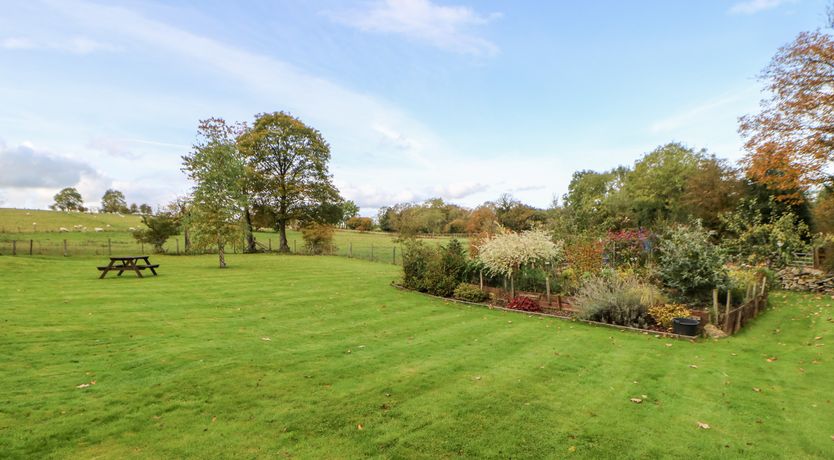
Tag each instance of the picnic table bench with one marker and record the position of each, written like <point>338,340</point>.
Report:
<point>128,263</point>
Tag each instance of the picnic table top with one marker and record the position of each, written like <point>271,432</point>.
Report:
<point>128,257</point>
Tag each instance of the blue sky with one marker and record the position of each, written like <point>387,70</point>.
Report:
<point>418,98</point>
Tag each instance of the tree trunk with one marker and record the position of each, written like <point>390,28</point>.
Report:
<point>512,286</point>
<point>284,247</point>
<point>250,235</point>
<point>187,238</point>
<point>221,255</point>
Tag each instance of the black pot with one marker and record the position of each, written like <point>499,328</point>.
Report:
<point>686,326</point>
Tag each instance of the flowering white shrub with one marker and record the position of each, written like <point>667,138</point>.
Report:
<point>504,254</point>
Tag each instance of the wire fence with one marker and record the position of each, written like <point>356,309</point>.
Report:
<point>119,246</point>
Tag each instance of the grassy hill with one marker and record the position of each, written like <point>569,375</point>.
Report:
<point>34,221</point>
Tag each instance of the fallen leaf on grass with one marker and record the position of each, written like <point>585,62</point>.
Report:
<point>817,338</point>
<point>360,427</point>
<point>757,390</point>
<point>266,339</point>
<point>693,366</point>
<point>214,419</point>
<point>636,400</point>
<point>703,426</point>
<point>83,385</point>
<point>573,448</point>
<point>771,359</point>
<point>668,344</point>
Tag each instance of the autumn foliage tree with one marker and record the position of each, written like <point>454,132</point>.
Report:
<point>791,141</point>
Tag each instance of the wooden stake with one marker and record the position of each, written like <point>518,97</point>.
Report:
<point>481,276</point>
<point>715,305</point>
<point>727,311</point>
<point>31,243</point>
<point>65,248</point>
<point>14,247</point>
<point>547,287</point>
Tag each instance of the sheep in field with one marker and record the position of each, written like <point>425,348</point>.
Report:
<point>98,229</point>
<point>63,230</point>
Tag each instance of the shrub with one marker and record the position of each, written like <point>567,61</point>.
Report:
<point>616,299</point>
<point>689,262</point>
<point>584,256</point>
<point>470,293</point>
<point>318,239</point>
<point>363,224</point>
<point>446,269</point>
<point>437,271</point>
<point>159,228</point>
<point>416,258</point>
<point>664,314</point>
<point>524,304</point>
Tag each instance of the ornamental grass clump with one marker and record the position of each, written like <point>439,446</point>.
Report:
<point>617,299</point>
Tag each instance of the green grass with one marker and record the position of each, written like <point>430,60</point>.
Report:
<point>182,369</point>
<point>16,226</point>
<point>39,221</point>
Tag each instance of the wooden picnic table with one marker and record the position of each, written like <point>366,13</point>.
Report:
<point>128,263</point>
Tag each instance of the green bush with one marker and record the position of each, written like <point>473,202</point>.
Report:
<point>318,239</point>
<point>437,271</point>
<point>689,263</point>
<point>616,299</point>
<point>159,228</point>
<point>470,293</point>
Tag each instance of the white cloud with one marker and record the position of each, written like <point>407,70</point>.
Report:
<point>445,27</point>
<point>25,167</point>
<point>113,147</point>
<point>756,6</point>
<point>459,190</point>
<point>74,45</point>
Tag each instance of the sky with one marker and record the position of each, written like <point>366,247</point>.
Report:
<point>463,100</point>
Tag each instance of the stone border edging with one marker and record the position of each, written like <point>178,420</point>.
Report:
<point>547,315</point>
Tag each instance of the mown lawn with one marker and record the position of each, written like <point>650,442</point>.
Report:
<point>318,357</point>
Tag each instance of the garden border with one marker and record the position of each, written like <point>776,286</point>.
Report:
<point>547,315</point>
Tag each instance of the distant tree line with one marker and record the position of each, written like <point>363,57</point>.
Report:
<point>69,199</point>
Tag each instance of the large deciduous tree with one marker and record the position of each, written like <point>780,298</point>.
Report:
<point>219,198</point>
<point>114,201</point>
<point>68,199</point>
<point>289,167</point>
<point>790,142</point>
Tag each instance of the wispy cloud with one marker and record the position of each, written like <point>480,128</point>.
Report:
<point>74,45</point>
<point>445,27</point>
<point>699,112</point>
<point>756,6</point>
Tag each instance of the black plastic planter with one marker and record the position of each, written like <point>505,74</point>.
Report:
<point>686,326</point>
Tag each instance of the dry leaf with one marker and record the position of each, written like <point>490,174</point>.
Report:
<point>693,366</point>
<point>266,339</point>
<point>214,419</point>
<point>668,344</point>
<point>771,359</point>
<point>703,425</point>
<point>83,385</point>
<point>360,427</point>
<point>573,448</point>
<point>757,390</point>
<point>636,400</point>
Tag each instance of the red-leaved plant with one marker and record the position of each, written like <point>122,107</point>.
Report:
<point>524,304</point>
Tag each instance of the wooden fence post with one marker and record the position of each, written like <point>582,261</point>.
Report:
<point>559,301</point>
<point>547,287</point>
<point>14,247</point>
<point>270,244</point>
<point>727,311</point>
<point>739,313</point>
<point>350,249</point>
<point>715,305</point>
<point>31,244</point>
<point>481,276</point>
